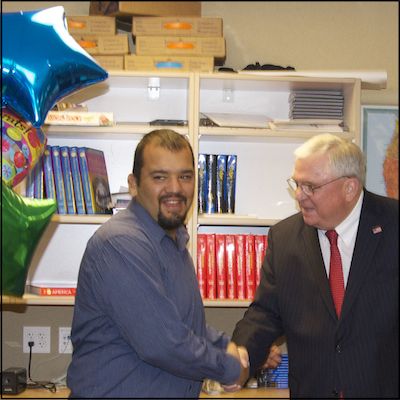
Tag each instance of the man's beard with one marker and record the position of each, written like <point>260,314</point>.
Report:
<point>172,222</point>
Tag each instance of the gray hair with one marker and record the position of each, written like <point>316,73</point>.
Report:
<point>345,157</point>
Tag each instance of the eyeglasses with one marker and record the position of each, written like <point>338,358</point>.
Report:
<point>307,188</point>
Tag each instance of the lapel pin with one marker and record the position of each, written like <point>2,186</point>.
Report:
<point>376,229</point>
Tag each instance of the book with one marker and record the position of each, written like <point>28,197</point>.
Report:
<point>230,249</point>
<point>237,120</point>
<point>202,173</point>
<point>201,264</point>
<point>220,265</point>
<point>51,291</point>
<point>211,268</point>
<point>231,183</point>
<point>211,177</point>
<point>250,267</point>
<point>48,174</point>
<point>67,178</point>
<point>260,248</point>
<point>240,266</point>
<point>38,184</point>
<point>58,180</point>
<point>83,118</point>
<point>30,183</point>
<point>76,180</point>
<point>96,189</point>
<point>220,200</point>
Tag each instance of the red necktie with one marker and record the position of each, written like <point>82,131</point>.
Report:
<point>336,281</point>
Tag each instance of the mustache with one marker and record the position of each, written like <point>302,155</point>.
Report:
<point>169,196</point>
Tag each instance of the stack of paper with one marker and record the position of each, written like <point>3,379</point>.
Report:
<point>317,104</point>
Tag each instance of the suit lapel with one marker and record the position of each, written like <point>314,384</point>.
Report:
<point>368,236</point>
<point>316,264</point>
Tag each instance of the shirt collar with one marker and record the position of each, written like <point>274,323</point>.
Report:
<point>347,229</point>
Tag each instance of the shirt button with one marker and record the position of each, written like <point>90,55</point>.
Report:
<point>338,348</point>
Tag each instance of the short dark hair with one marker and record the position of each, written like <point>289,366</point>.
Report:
<point>166,138</point>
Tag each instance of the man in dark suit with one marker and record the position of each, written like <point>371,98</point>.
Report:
<point>342,337</point>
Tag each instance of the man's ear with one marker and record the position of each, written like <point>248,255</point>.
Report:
<point>351,188</point>
<point>132,184</point>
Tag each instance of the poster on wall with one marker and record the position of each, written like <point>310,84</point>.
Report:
<point>380,138</point>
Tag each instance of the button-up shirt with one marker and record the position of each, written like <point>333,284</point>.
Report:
<point>139,327</point>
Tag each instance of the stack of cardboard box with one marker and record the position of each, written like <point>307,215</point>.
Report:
<point>97,35</point>
<point>177,44</point>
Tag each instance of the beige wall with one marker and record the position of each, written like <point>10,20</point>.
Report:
<point>305,35</point>
<point>308,35</point>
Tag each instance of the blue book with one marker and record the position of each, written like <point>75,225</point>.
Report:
<point>220,204</point>
<point>211,177</point>
<point>38,186</point>
<point>76,180</point>
<point>48,174</point>
<point>96,189</point>
<point>67,178</point>
<point>30,183</point>
<point>231,182</point>
<point>202,183</point>
<point>58,180</point>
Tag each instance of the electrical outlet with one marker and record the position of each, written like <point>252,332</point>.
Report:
<point>64,340</point>
<point>40,336</point>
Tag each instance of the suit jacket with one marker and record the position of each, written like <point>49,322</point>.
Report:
<point>356,354</point>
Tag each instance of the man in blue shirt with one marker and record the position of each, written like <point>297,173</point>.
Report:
<point>139,328</point>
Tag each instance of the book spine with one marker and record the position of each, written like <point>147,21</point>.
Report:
<point>30,183</point>
<point>53,291</point>
<point>240,267</point>
<point>250,267</point>
<point>48,174</point>
<point>211,176</point>
<point>202,183</point>
<point>230,266</point>
<point>201,264</point>
<point>38,173</point>
<point>231,182</point>
<point>67,177</point>
<point>211,269</point>
<point>221,184</point>
<point>76,180</point>
<point>87,189</point>
<point>58,180</point>
<point>220,265</point>
<point>259,243</point>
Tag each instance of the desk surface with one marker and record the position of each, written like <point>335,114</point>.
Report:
<point>261,393</point>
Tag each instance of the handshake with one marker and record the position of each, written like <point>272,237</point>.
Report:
<point>240,352</point>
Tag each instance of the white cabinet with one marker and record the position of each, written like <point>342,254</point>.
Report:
<point>264,157</point>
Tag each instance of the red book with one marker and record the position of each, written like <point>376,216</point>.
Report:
<point>259,242</point>
<point>201,263</point>
<point>211,268</point>
<point>230,253</point>
<point>52,291</point>
<point>220,265</point>
<point>240,267</point>
<point>250,267</point>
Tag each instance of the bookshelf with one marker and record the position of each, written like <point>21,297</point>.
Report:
<point>264,156</point>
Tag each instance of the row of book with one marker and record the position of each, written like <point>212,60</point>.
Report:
<point>228,265</point>
<point>217,183</point>
<point>75,176</point>
<point>275,377</point>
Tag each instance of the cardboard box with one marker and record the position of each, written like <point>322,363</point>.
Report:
<point>89,25</point>
<point>104,45</point>
<point>176,26</point>
<point>110,62</point>
<point>182,46</point>
<point>154,8</point>
<point>166,63</point>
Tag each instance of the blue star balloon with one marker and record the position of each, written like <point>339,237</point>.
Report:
<point>42,63</point>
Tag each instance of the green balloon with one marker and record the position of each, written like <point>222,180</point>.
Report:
<point>23,223</point>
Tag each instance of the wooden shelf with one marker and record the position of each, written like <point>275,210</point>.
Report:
<point>80,219</point>
<point>234,220</point>
<point>31,299</point>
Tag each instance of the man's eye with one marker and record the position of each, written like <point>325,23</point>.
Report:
<point>158,177</point>
<point>187,177</point>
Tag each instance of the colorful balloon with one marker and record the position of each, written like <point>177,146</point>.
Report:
<point>21,147</point>
<point>42,63</point>
<point>23,223</point>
